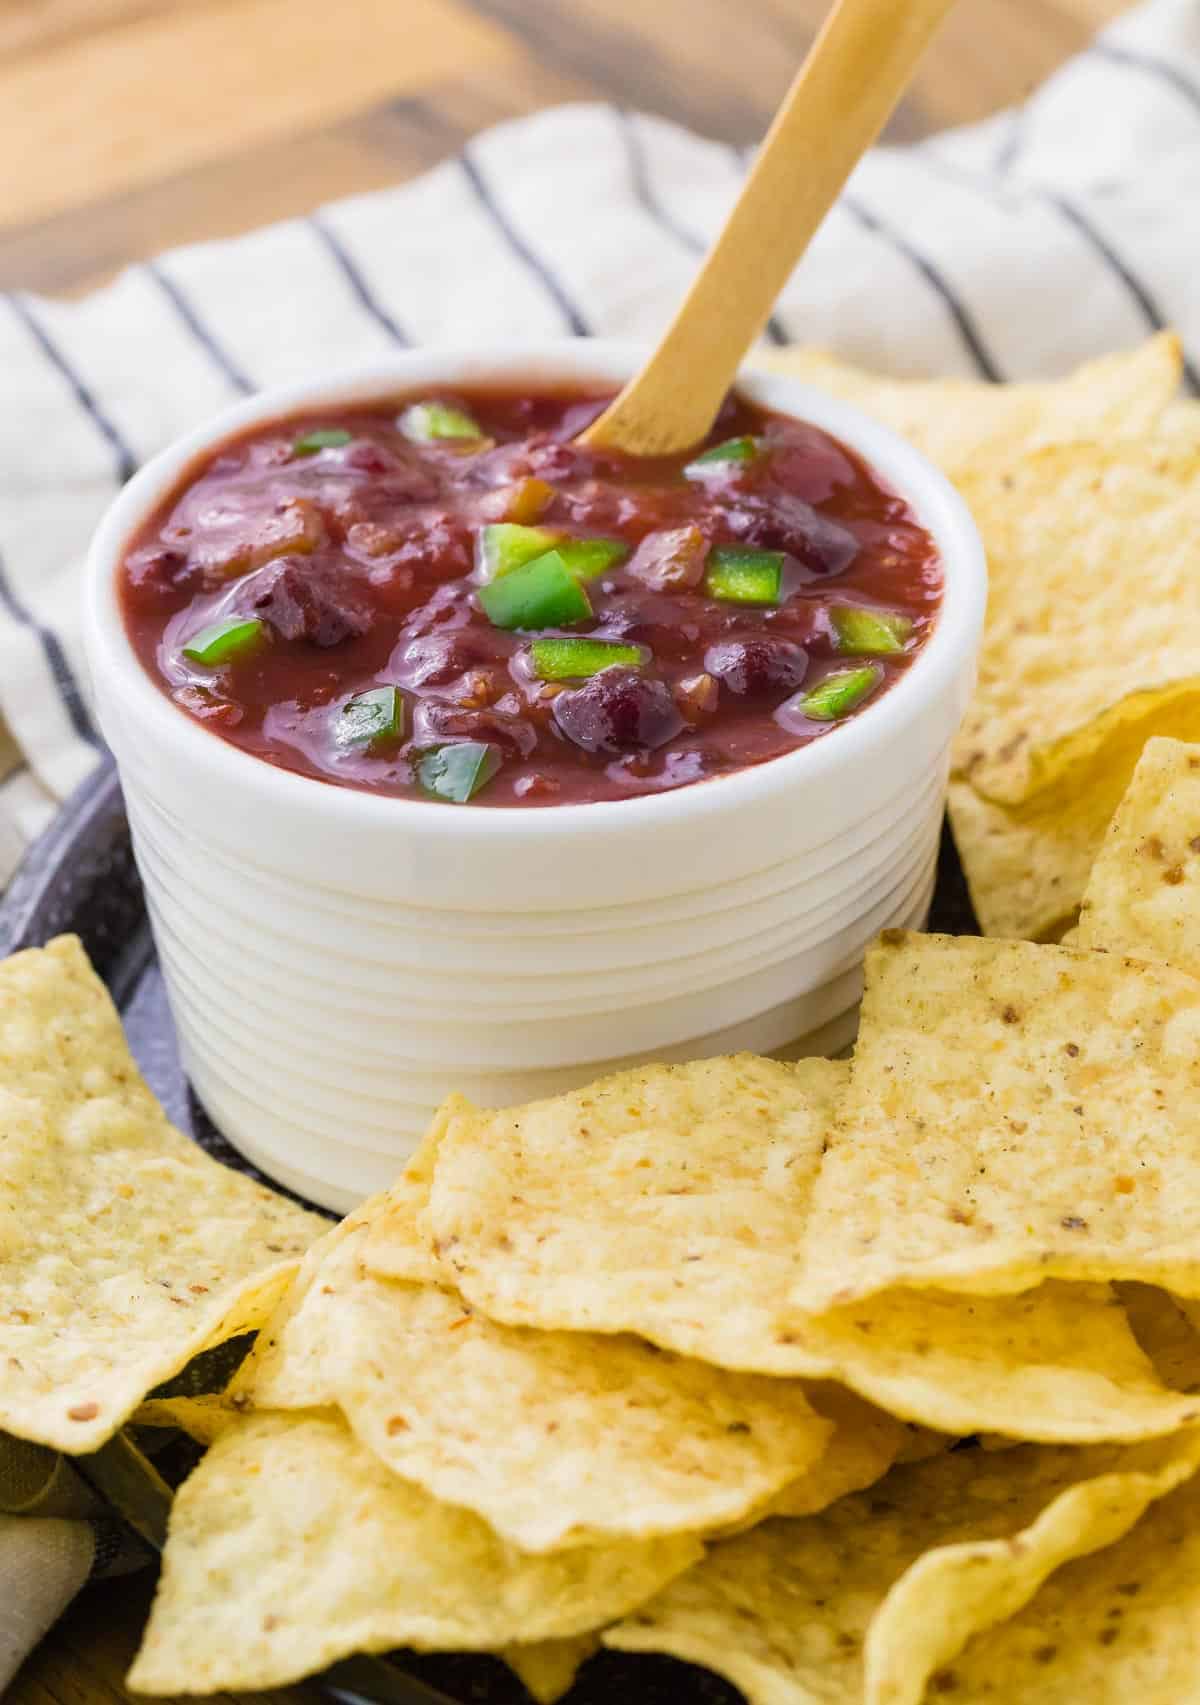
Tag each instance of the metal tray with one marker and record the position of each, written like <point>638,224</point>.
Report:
<point>80,878</point>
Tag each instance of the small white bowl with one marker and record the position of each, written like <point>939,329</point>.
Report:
<point>338,961</point>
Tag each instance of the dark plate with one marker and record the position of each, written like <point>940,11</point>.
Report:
<point>80,878</point>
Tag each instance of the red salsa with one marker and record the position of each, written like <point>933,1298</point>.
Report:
<point>447,598</point>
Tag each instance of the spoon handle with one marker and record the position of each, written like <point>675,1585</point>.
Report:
<point>856,71</point>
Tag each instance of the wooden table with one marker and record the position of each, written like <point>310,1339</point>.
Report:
<point>130,125</point>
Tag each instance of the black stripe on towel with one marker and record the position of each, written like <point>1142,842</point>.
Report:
<point>547,279</point>
<point>359,287</point>
<point>956,308</point>
<point>220,358</point>
<point>64,679</point>
<point>1011,145</point>
<point>1160,68</point>
<point>82,392</point>
<point>1133,284</point>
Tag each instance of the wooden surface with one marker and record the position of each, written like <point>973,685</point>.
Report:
<point>130,125</point>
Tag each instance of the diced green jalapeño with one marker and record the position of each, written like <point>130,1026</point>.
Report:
<point>370,718</point>
<point>505,545</point>
<point>426,423</point>
<point>576,659</point>
<point>869,633</point>
<point>586,558</point>
<point>745,577</point>
<point>710,464</point>
<point>459,772</point>
<point>540,594</point>
<point>226,641</point>
<point>838,694</point>
<point>323,438</point>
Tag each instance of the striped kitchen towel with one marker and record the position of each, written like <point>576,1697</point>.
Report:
<point>1017,247</point>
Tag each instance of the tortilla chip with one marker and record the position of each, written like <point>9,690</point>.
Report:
<point>1180,420</point>
<point>125,1249</point>
<point>1167,1333</point>
<point>1059,1363</point>
<point>960,423</point>
<point>867,1600</point>
<point>548,1670</point>
<point>291,1546</point>
<point>1143,897</point>
<point>920,1443</point>
<point>862,1447</point>
<point>394,1249</point>
<point>555,1438</point>
<point>201,1418</point>
<point>1118,1626</point>
<point>1015,1113</point>
<point>672,1202</point>
<point>1027,866</point>
<point>667,1200</point>
<point>1093,612</point>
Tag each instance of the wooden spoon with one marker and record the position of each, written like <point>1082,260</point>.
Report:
<point>858,68</point>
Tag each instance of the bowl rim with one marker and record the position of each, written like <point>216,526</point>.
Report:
<point>948,653</point>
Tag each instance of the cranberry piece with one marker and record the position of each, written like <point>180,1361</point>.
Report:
<point>754,667</point>
<point>657,621</point>
<point>551,459</point>
<point>619,710</point>
<point>301,599</point>
<point>784,522</point>
<point>435,722</point>
<point>437,659</point>
<point>208,707</point>
<point>807,464</point>
<point>668,560</point>
<point>437,545</point>
<point>159,568</point>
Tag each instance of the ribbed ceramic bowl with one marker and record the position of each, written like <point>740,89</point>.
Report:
<point>337,961</point>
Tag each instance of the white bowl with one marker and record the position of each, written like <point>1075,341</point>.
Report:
<point>338,961</point>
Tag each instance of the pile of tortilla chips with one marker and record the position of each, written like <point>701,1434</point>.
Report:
<point>863,1382</point>
<point>854,1381</point>
<point>1087,494</point>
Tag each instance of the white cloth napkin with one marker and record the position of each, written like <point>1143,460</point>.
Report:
<point>1017,247</point>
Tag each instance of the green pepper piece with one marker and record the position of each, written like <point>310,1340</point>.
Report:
<point>504,545</point>
<point>745,577</point>
<point>576,659</point>
<point>370,718</point>
<point>840,693</point>
<point>427,422</point>
<point>458,772</point>
<point>324,438</point>
<point>864,633</point>
<point>540,594</point>
<point>586,558</point>
<point>227,641</point>
<point>712,463</point>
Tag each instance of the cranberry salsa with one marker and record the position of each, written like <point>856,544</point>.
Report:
<point>447,598</point>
